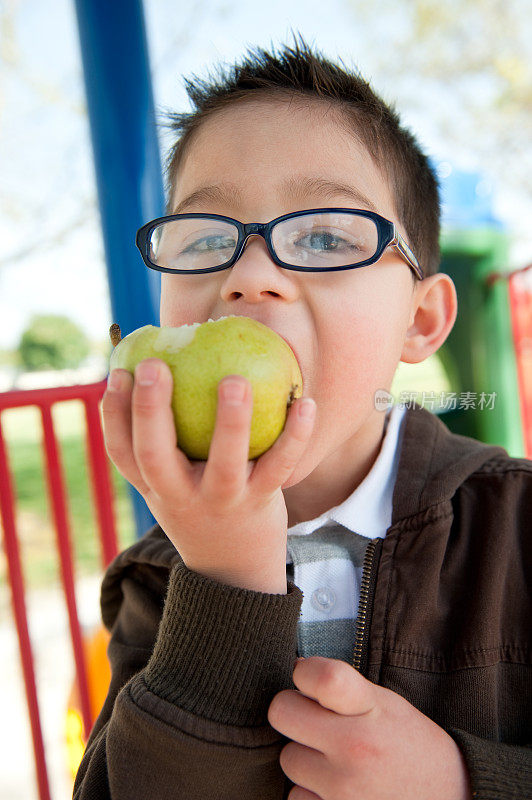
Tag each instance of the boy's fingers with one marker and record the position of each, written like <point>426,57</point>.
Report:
<point>227,470</point>
<point>277,464</point>
<point>153,430</point>
<point>116,420</point>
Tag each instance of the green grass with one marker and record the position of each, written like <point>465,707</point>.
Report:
<point>34,517</point>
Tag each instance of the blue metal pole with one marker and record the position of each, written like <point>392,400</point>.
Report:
<point>117,77</point>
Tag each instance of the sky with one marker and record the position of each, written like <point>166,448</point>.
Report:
<point>53,260</point>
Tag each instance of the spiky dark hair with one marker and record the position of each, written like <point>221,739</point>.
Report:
<point>300,71</point>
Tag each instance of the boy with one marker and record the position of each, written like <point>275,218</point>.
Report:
<point>387,551</point>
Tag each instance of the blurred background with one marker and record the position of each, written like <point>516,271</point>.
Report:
<point>459,73</point>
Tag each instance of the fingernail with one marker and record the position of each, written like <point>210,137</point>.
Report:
<point>114,381</point>
<point>306,409</point>
<point>233,392</point>
<point>146,373</point>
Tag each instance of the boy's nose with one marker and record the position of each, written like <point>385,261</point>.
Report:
<point>252,230</point>
<point>250,237</point>
<point>257,278</point>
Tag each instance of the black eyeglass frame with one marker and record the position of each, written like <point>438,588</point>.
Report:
<point>388,236</point>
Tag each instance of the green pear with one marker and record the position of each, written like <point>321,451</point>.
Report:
<point>199,356</point>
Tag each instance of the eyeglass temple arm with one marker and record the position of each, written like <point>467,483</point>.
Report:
<point>399,243</point>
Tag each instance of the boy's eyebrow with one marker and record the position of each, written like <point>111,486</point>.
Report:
<point>300,186</point>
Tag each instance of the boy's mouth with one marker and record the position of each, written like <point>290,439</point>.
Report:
<point>285,338</point>
<point>291,346</point>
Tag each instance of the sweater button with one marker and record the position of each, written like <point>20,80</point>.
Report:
<point>323,598</point>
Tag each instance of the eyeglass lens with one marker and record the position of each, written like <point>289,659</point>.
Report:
<point>324,239</point>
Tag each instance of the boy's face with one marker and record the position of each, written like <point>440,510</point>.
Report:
<point>347,328</point>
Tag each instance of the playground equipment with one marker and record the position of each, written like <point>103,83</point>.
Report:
<point>87,699</point>
<point>95,644</point>
<point>127,163</point>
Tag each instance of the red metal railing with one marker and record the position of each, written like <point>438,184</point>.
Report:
<point>90,395</point>
<point>520,292</point>
<point>520,296</point>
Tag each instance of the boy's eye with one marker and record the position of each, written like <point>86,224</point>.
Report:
<point>209,244</point>
<point>324,241</point>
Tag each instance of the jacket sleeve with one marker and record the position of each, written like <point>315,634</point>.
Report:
<point>497,771</point>
<point>193,674</point>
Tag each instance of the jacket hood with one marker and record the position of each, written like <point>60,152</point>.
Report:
<point>434,462</point>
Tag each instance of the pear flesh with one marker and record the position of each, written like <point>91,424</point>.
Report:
<point>199,356</point>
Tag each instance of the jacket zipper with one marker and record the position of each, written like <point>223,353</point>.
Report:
<point>361,623</point>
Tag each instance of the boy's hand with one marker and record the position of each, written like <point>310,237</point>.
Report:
<point>227,516</point>
<point>354,739</point>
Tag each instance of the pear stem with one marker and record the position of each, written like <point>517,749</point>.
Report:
<point>292,397</point>
<point>114,334</point>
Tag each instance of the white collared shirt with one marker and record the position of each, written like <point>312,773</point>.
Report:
<point>325,554</point>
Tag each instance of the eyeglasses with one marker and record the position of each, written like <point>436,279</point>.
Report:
<point>315,240</point>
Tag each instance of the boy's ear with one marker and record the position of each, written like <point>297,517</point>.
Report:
<point>432,316</point>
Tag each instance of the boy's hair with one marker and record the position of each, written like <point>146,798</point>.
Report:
<point>300,71</point>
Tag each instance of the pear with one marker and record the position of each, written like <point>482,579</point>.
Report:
<point>199,356</point>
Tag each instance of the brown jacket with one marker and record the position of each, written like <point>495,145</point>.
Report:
<point>446,623</point>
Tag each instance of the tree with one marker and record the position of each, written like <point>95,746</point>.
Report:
<point>466,66</point>
<point>52,341</point>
